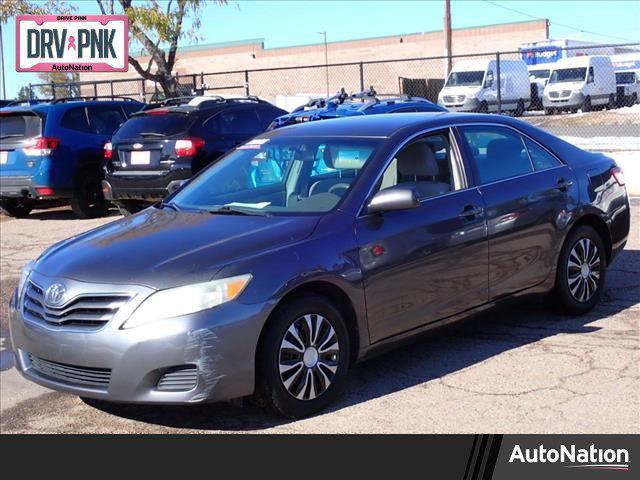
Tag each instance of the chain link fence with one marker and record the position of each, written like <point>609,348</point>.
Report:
<point>424,77</point>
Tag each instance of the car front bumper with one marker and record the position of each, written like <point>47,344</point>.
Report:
<point>219,344</point>
<point>574,100</point>
<point>470,104</point>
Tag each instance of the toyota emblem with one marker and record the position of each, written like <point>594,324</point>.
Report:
<point>54,295</point>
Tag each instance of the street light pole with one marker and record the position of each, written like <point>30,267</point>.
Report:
<point>447,37</point>
<point>4,79</point>
<point>326,60</point>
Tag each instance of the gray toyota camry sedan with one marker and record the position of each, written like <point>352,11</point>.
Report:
<point>309,247</point>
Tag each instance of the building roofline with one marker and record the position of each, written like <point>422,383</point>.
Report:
<point>253,41</point>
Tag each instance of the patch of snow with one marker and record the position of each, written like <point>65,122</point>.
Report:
<point>604,143</point>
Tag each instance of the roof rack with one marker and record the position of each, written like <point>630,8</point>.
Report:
<point>92,98</point>
<point>392,100</point>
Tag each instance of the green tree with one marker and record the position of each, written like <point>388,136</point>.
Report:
<point>23,93</point>
<point>65,84</point>
<point>156,28</point>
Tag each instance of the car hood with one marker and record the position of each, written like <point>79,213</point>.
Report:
<point>165,248</point>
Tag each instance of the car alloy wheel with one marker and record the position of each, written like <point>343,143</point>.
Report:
<point>308,357</point>
<point>583,270</point>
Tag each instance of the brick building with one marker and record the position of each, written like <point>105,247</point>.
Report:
<point>386,77</point>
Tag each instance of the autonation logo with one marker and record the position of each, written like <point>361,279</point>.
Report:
<point>589,458</point>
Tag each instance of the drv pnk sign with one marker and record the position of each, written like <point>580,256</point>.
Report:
<point>72,43</point>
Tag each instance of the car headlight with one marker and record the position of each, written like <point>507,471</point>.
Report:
<point>175,302</point>
<point>24,276</point>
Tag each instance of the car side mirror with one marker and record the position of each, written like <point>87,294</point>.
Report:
<point>394,198</point>
<point>590,79</point>
<point>175,186</point>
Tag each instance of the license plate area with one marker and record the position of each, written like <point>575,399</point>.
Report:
<point>140,158</point>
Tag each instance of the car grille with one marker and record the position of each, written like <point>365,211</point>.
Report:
<point>179,379</point>
<point>559,94</point>
<point>96,377</point>
<point>453,98</point>
<point>83,311</point>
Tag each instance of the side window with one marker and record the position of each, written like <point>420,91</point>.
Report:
<point>540,158</point>
<point>425,164</point>
<point>239,122</point>
<point>131,108</point>
<point>105,119</point>
<point>75,119</point>
<point>499,153</point>
<point>405,109</point>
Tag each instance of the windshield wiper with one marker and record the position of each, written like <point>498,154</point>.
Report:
<point>170,205</point>
<point>232,210</point>
<point>10,135</point>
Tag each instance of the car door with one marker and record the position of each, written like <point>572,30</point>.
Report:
<point>424,264</point>
<point>528,194</point>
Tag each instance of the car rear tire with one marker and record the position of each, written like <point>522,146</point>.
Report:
<point>16,207</point>
<point>129,207</point>
<point>88,200</point>
<point>303,358</point>
<point>581,274</point>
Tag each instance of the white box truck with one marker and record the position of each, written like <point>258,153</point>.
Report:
<point>538,76</point>
<point>550,51</point>
<point>581,83</point>
<point>627,87</point>
<point>472,86</point>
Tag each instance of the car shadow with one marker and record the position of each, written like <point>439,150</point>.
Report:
<point>425,358</point>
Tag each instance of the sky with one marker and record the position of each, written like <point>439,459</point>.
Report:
<point>284,23</point>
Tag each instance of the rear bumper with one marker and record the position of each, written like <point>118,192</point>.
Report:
<point>25,187</point>
<point>152,186</point>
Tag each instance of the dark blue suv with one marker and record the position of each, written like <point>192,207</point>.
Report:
<point>51,153</point>
<point>342,104</point>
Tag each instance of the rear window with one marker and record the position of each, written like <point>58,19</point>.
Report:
<point>168,124</point>
<point>20,125</point>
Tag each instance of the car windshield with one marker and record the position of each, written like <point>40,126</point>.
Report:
<point>465,79</point>
<point>568,75</point>
<point>539,74</point>
<point>624,78</point>
<point>164,124</point>
<point>19,125</point>
<point>279,176</point>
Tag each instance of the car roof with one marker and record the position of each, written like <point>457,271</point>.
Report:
<point>45,106</point>
<point>386,125</point>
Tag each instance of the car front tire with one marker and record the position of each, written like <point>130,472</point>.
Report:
<point>582,269</point>
<point>303,358</point>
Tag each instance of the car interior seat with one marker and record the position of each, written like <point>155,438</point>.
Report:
<point>417,166</point>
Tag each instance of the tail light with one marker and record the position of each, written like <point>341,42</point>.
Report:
<point>44,191</point>
<point>108,151</point>
<point>618,175</point>
<point>41,146</point>
<point>187,147</point>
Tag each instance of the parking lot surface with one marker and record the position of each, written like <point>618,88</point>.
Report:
<point>519,369</point>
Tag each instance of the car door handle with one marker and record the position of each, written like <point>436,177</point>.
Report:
<point>563,184</point>
<point>471,211</point>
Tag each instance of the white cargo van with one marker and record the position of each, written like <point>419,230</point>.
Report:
<point>472,86</point>
<point>580,83</point>
<point>628,87</point>
<point>538,76</point>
